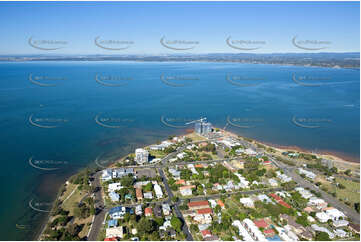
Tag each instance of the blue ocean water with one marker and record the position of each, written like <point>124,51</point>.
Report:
<point>62,115</point>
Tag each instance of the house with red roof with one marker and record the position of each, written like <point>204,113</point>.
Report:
<point>206,233</point>
<point>180,182</point>
<point>269,232</point>
<point>204,211</point>
<point>111,239</point>
<point>198,204</point>
<point>220,203</point>
<point>261,223</point>
<point>148,212</point>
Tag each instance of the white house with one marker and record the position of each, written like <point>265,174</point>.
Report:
<point>141,156</point>
<point>322,217</point>
<point>307,173</point>
<point>148,195</point>
<point>323,229</point>
<point>242,231</point>
<point>253,230</point>
<point>340,233</point>
<point>158,191</point>
<point>116,186</point>
<point>138,210</point>
<point>166,209</point>
<point>335,214</point>
<point>273,182</point>
<point>107,174</point>
<point>247,202</point>
<point>340,223</point>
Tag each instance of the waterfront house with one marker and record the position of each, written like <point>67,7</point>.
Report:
<point>107,174</point>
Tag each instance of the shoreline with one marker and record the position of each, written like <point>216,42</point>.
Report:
<point>185,61</point>
<point>337,158</point>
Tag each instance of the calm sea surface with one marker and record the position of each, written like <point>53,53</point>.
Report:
<point>58,117</point>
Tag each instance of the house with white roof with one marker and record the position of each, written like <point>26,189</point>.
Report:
<point>114,196</point>
<point>107,174</point>
<point>340,223</point>
<point>323,229</point>
<point>158,191</point>
<point>308,174</point>
<point>340,233</point>
<point>253,230</point>
<point>322,217</point>
<point>273,182</point>
<point>148,195</point>
<point>247,202</point>
<point>335,214</point>
<point>283,177</point>
<point>282,233</point>
<point>138,210</point>
<point>304,193</point>
<point>166,209</point>
<point>116,186</point>
<point>318,202</point>
<point>242,231</point>
<point>264,198</point>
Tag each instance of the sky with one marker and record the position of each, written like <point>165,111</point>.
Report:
<point>199,27</point>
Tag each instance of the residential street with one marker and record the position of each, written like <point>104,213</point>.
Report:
<point>349,212</point>
<point>99,208</point>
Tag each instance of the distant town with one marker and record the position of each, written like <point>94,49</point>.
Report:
<point>210,185</point>
<point>331,60</point>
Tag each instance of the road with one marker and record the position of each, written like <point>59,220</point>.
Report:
<point>99,208</point>
<point>176,208</point>
<point>289,171</point>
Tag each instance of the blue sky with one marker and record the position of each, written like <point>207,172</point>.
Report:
<point>208,23</point>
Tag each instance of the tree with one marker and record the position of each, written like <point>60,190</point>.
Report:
<point>302,220</point>
<point>146,226</point>
<point>176,223</point>
<point>348,172</point>
<point>322,236</point>
<point>194,228</point>
<point>357,207</point>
